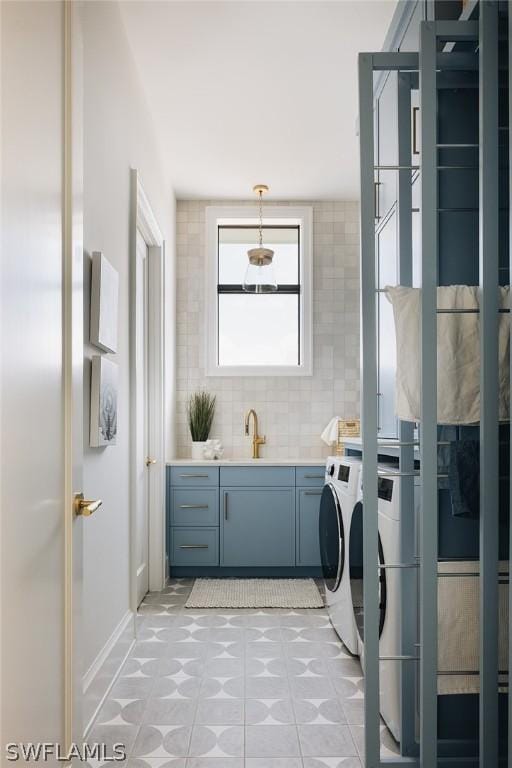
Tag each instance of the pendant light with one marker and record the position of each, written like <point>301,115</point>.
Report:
<point>260,276</point>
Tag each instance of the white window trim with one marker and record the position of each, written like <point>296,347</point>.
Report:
<point>218,215</point>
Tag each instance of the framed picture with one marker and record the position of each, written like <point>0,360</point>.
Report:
<point>104,387</point>
<point>104,303</point>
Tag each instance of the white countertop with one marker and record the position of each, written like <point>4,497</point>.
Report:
<point>319,462</point>
<point>387,446</point>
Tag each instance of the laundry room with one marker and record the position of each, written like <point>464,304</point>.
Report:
<point>255,383</point>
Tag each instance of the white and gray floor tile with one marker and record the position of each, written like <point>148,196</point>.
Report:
<point>235,689</point>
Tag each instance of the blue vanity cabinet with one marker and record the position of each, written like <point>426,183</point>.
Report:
<point>257,527</point>
<point>229,520</point>
<point>307,541</point>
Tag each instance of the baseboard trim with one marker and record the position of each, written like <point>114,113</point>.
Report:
<point>105,669</point>
<point>225,572</point>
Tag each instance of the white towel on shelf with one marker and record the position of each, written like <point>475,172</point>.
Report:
<point>459,626</point>
<point>330,433</point>
<point>458,354</point>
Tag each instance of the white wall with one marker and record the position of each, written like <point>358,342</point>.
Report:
<point>292,410</point>
<point>119,135</point>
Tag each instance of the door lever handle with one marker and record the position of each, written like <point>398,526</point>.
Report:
<point>85,507</point>
<point>149,462</point>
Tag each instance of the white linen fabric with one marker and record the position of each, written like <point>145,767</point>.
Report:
<point>458,354</point>
<point>459,626</point>
<point>330,433</point>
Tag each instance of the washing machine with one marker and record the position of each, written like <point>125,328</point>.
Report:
<point>340,494</point>
<point>389,591</point>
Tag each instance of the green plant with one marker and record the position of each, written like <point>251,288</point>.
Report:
<point>200,412</point>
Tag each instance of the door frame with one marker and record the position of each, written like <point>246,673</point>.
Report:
<point>73,361</point>
<point>143,219</point>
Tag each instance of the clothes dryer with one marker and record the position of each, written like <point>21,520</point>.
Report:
<point>389,592</point>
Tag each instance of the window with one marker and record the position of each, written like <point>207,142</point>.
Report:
<point>258,334</point>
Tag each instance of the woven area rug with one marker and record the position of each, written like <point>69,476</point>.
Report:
<point>254,593</point>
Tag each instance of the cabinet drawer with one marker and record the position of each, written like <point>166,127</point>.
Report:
<point>195,506</point>
<point>194,475</point>
<point>194,546</point>
<point>253,476</point>
<point>314,476</point>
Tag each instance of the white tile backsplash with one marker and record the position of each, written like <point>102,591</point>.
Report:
<point>292,411</point>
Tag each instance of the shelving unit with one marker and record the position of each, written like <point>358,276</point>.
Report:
<point>438,55</point>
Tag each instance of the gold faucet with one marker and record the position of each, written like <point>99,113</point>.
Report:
<point>257,440</point>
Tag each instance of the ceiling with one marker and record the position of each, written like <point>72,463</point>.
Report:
<point>256,91</point>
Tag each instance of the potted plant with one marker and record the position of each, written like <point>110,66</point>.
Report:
<point>200,412</point>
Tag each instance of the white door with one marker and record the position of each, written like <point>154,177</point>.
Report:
<point>41,375</point>
<point>143,459</point>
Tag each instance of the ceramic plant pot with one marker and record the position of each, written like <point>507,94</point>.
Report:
<point>198,449</point>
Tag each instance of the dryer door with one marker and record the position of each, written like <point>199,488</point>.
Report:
<point>355,554</point>
<point>332,538</point>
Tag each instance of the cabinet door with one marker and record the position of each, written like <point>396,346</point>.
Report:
<point>387,145</point>
<point>411,38</point>
<point>387,272</point>
<point>308,539</point>
<point>257,526</point>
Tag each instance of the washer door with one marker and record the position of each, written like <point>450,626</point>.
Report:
<point>332,538</point>
<point>356,572</point>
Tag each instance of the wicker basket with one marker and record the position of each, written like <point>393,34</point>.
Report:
<point>346,428</point>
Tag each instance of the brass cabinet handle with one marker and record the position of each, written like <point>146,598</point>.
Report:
<point>415,112</point>
<point>193,546</point>
<point>225,505</point>
<point>194,475</point>
<point>149,462</point>
<point>193,506</point>
<point>312,493</point>
<point>85,507</point>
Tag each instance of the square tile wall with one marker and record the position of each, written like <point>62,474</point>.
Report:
<point>292,411</point>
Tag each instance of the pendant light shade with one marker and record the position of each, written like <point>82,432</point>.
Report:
<point>260,276</point>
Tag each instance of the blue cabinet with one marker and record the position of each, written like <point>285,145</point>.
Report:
<point>258,527</point>
<point>254,520</point>
<point>307,538</point>
<point>387,147</point>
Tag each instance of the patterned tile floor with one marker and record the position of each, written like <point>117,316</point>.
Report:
<point>235,689</point>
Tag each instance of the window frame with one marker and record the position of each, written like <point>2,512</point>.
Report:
<point>301,216</point>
